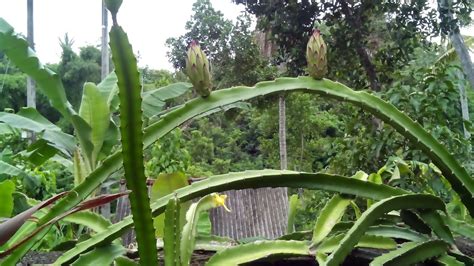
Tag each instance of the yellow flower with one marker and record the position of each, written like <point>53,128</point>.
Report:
<point>219,200</point>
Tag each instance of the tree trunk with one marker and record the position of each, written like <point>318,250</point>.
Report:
<point>464,105</point>
<point>463,54</point>
<point>104,46</point>
<point>30,84</point>
<point>458,43</point>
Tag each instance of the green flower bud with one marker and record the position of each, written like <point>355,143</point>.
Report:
<point>316,56</point>
<point>197,69</point>
<point>113,5</point>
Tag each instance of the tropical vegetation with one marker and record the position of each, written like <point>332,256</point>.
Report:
<point>374,142</point>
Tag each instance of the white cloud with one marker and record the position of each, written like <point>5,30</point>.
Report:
<point>148,24</point>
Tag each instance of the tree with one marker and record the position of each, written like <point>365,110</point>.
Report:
<point>231,49</point>
<point>366,41</point>
<point>75,69</point>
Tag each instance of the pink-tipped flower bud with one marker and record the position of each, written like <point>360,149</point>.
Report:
<point>197,69</point>
<point>316,56</point>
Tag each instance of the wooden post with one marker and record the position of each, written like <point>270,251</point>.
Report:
<point>30,84</point>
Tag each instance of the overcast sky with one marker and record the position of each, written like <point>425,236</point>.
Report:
<point>148,24</point>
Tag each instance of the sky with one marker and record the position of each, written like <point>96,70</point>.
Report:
<point>148,24</point>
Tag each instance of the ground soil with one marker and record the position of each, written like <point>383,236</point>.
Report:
<point>359,257</point>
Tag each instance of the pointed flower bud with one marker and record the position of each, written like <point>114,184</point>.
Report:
<point>316,56</point>
<point>197,69</point>
<point>113,5</point>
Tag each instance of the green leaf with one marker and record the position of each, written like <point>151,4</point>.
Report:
<point>366,241</point>
<point>449,261</point>
<point>95,111</point>
<point>414,201</point>
<point>109,90</point>
<point>18,51</point>
<point>329,216</point>
<point>6,129</point>
<point>459,227</point>
<point>7,188</point>
<point>434,220</point>
<point>30,119</point>
<point>123,261</point>
<point>91,220</point>
<point>414,221</point>
<point>166,184</point>
<point>10,170</point>
<point>112,137</point>
<point>412,252</point>
<point>83,134</point>
<point>361,175</point>
<point>154,100</point>
<point>100,256</point>
<point>204,225</point>
<point>377,179</point>
<point>356,209</point>
<point>321,258</point>
<point>132,143</point>
<point>467,260</point>
<point>396,232</point>
<point>39,152</point>
<point>63,161</point>
<point>81,170</point>
<point>20,203</point>
<point>252,251</point>
<point>292,207</point>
